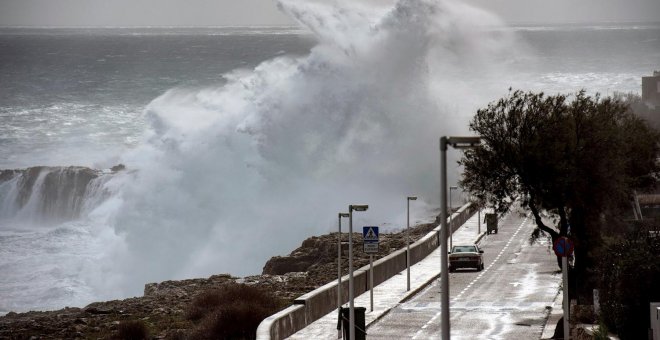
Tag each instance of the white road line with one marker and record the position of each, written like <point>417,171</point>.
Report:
<point>419,332</point>
<point>494,261</point>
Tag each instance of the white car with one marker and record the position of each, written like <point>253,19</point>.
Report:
<point>466,256</point>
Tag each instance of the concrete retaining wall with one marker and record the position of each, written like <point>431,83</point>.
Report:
<point>283,323</point>
<point>321,301</point>
<point>655,320</point>
<point>386,267</point>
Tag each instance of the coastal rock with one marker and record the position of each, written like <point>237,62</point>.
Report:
<point>59,191</point>
<point>118,167</point>
<point>164,304</point>
<point>313,251</point>
<point>182,288</point>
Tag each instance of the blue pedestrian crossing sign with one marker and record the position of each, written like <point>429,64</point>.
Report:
<point>370,239</point>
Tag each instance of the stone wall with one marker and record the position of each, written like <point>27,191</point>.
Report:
<point>321,301</point>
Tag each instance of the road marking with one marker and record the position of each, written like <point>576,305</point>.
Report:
<point>492,263</point>
<point>479,305</point>
<point>419,332</point>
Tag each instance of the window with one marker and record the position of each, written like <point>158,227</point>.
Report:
<point>465,249</point>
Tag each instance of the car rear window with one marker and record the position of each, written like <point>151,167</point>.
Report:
<point>465,249</point>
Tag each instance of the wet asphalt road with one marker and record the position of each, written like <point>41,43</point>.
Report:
<point>509,299</point>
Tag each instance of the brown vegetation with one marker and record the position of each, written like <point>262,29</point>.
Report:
<point>132,330</point>
<point>232,312</point>
<point>187,309</point>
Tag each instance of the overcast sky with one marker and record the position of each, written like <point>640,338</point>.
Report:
<point>264,12</point>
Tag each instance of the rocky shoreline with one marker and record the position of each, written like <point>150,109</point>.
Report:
<point>163,306</point>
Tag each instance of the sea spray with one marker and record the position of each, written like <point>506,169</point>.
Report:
<point>49,195</point>
<point>227,177</point>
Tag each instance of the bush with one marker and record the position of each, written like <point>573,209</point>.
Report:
<point>232,312</point>
<point>629,279</point>
<point>583,314</point>
<point>601,332</point>
<point>205,304</point>
<point>132,330</point>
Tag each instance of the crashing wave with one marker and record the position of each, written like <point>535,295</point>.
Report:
<point>51,194</point>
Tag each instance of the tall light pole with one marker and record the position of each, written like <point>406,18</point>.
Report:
<point>351,291</point>
<point>458,143</point>
<point>410,198</point>
<point>451,212</point>
<point>340,215</point>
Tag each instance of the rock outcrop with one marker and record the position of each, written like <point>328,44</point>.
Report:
<point>163,306</point>
<point>55,194</point>
<point>313,251</point>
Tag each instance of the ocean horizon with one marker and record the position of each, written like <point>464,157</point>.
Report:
<point>239,142</point>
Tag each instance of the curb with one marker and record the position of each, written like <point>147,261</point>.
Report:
<point>553,317</point>
<point>414,292</point>
<point>480,237</point>
<point>406,297</point>
<point>429,281</point>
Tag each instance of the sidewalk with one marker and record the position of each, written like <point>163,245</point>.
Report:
<point>393,291</point>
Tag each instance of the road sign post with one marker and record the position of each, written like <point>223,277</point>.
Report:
<point>563,246</point>
<point>371,282</point>
<point>370,239</point>
<point>564,269</point>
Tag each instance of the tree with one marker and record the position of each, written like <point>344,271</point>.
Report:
<point>640,108</point>
<point>577,157</point>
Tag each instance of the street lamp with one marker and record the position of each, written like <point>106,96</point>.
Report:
<point>457,143</point>
<point>351,291</point>
<point>340,215</point>
<point>451,212</point>
<point>410,198</point>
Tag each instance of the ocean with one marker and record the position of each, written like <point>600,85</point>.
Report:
<point>239,142</point>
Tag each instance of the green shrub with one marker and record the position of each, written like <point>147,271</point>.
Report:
<point>232,312</point>
<point>601,332</point>
<point>132,330</point>
<point>629,279</point>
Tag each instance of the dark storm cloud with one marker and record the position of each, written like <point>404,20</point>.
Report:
<point>264,12</point>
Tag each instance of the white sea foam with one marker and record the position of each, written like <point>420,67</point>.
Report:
<point>227,177</point>
<point>86,134</point>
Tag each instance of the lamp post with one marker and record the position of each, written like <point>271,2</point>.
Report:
<point>457,143</point>
<point>351,291</point>
<point>451,212</point>
<point>410,198</point>
<point>340,215</point>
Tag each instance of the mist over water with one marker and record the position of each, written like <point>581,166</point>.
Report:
<point>229,173</point>
<point>229,176</point>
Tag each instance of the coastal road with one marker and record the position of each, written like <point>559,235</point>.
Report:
<point>509,299</point>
